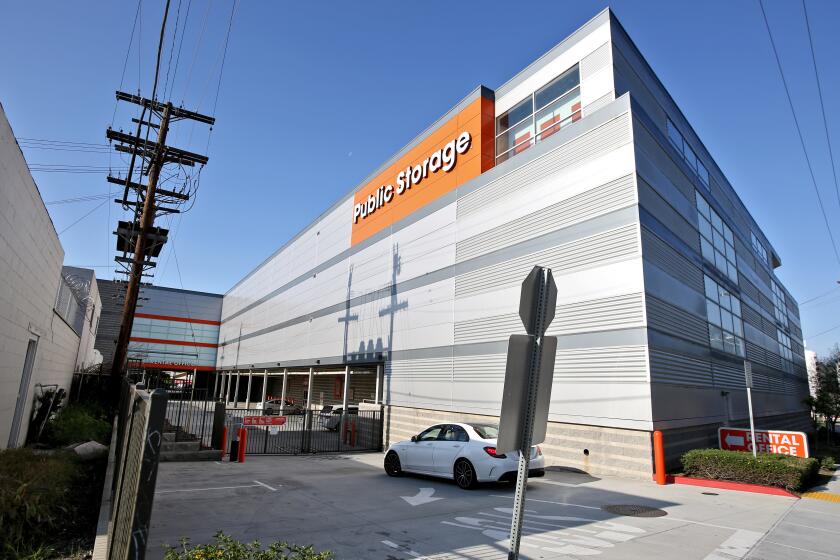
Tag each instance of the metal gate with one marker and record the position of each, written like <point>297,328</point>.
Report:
<point>309,432</point>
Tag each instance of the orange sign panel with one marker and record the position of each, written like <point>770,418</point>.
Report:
<point>766,441</point>
<point>459,150</point>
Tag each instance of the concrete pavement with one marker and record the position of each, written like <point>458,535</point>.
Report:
<point>345,503</point>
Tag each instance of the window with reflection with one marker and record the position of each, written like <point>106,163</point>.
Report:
<point>779,305</point>
<point>723,309</point>
<point>717,244</point>
<point>538,116</point>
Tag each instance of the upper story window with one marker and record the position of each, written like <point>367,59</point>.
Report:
<point>716,241</point>
<point>779,304</point>
<point>539,115</point>
<point>676,138</point>
<point>723,309</point>
<point>784,345</point>
<point>759,249</point>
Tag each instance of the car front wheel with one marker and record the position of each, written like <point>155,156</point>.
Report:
<point>392,464</point>
<point>464,474</point>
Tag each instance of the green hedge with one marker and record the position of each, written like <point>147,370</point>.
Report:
<point>226,548</point>
<point>783,471</point>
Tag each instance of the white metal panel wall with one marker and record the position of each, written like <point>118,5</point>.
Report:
<point>570,56</point>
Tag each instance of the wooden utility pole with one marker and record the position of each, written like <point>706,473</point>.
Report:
<point>140,238</point>
<point>147,219</point>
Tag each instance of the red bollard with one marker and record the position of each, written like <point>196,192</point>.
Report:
<point>224,442</point>
<point>659,458</point>
<point>243,436</point>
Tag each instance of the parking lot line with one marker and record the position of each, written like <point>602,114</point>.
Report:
<point>408,551</point>
<point>266,485</point>
<point>802,549</point>
<point>810,527</point>
<point>207,489</point>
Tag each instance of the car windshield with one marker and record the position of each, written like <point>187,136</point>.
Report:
<point>486,431</point>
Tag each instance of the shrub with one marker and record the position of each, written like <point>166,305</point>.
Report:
<point>827,462</point>
<point>783,471</point>
<point>34,491</point>
<point>77,423</point>
<point>226,548</point>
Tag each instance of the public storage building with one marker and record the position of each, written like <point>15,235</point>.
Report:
<point>583,163</point>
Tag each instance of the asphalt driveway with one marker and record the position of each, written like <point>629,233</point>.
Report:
<point>346,504</point>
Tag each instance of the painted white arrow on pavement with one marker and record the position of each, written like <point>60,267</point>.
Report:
<point>424,496</point>
<point>735,441</point>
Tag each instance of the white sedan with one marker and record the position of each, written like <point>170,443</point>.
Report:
<point>465,453</point>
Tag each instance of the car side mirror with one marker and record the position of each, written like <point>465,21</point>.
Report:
<point>414,439</point>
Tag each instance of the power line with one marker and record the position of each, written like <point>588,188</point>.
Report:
<point>83,217</point>
<point>815,298</point>
<point>799,132</point>
<point>172,48</point>
<point>127,53</point>
<point>79,199</point>
<point>834,328</point>
<point>822,105</point>
<point>224,55</point>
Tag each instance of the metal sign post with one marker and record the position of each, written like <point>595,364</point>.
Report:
<point>748,381</point>
<point>527,392</point>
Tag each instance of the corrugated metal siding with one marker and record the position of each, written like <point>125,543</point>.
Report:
<point>480,368</point>
<point>604,247</point>
<point>432,369</point>
<point>616,312</point>
<point>591,145</point>
<point>595,202</point>
<point>497,327</point>
<point>749,315</point>
<point>598,103</point>
<point>653,202</point>
<point>727,375</point>
<point>611,364</point>
<point>595,61</point>
<point>756,354</point>
<point>660,253</point>
<point>750,289</point>
<point>681,369</point>
<point>673,320</point>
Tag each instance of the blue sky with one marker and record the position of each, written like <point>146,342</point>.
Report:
<point>315,95</point>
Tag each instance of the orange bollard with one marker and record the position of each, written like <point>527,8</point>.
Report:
<point>243,436</point>
<point>659,458</point>
<point>224,442</point>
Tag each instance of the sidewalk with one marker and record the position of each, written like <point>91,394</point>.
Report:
<point>828,492</point>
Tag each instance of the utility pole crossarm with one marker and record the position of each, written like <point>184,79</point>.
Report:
<point>175,112</point>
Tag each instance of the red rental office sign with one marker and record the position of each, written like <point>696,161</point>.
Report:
<point>767,441</point>
<point>263,420</point>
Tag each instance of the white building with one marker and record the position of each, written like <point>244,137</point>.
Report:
<point>42,320</point>
<point>582,162</point>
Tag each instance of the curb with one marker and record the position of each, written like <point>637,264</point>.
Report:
<point>727,485</point>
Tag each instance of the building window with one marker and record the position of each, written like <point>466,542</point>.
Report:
<point>759,249</point>
<point>539,115</point>
<point>723,309</point>
<point>785,351</point>
<point>779,305</point>
<point>688,155</point>
<point>716,241</point>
